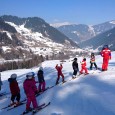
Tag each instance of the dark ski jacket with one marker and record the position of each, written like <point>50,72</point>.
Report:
<point>75,66</point>
<point>40,76</point>
<point>14,88</point>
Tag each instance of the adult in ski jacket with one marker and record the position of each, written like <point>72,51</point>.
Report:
<point>41,80</point>
<point>83,67</point>
<point>14,88</point>
<point>59,73</point>
<point>106,54</point>
<point>75,67</point>
<point>92,61</point>
<point>30,91</point>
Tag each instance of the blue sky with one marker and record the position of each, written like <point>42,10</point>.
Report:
<point>74,11</point>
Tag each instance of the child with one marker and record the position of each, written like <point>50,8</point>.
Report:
<point>30,91</point>
<point>92,61</point>
<point>59,72</point>
<point>15,91</point>
<point>83,66</point>
<point>0,82</point>
<point>41,80</point>
<point>75,68</point>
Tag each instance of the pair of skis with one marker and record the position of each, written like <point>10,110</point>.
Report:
<point>12,106</point>
<point>42,106</point>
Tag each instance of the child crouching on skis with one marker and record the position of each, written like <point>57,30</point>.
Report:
<point>30,91</point>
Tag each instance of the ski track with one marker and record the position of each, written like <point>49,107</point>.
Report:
<point>92,94</point>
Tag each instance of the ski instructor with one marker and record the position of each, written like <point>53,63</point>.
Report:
<point>106,54</point>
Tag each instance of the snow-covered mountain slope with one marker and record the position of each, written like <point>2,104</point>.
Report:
<point>56,25</point>
<point>97,42</point>
<point>31,35</point>
<point>92,94</point>
<point>81,32</point>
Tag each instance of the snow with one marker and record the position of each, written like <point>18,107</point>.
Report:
<point>93,94</point>
<point>8,34</point>
<point>112,22</point>
<point>5,48</point>
<point>75,32</point>
<point>91,30</point>
<point>56,25</point>
<point>35,41</point>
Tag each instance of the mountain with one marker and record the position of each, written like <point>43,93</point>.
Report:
<point>76,32</point>
<point>22,37</point>
<point>36,24</point>
<point>97,42</point>
<point>81,32</point>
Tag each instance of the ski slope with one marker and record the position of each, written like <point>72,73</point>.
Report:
<point>93,94</point>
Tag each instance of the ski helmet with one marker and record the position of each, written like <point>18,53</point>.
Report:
<point>29,75</point>
<point>105,46</point>
<point>84,59</point>
<point>13,76</point>
<point>92,53</point>
<point>75,59</point>
<point>33,74</point>
<point>41,68</point>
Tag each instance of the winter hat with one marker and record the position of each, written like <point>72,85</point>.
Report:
<point>29,75</point>
<point>105,46</point>
<point>75,59</point>
<point>33,74</point>
<point>92,53</point>
<point>84,59</point>
<point>13,76</point>
<point>41,68</point>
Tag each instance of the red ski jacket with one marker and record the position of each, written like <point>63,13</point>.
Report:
<point>14,88</point>
<point>59,69</point>
<point>83,64</point>
<point>106,53</point>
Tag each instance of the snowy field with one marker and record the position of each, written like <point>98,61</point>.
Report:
<point>93,94</point>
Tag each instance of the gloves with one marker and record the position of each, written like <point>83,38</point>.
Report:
<point>36,92</point>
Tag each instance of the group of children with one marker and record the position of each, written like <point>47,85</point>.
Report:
<point>76,68</point>
<point>30,89</point>
<point>105,53</point>
<point>29,84</point>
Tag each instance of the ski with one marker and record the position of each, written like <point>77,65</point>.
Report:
<point>3,93</point>
<point>15,106</point>
<point>63,82</point>
<point>39,109</point>
<point>26,112</point>
<point>6,107</point>
<point>42,92</point>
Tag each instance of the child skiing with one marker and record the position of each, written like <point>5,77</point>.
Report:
<point>106,54</point>
<point>15,91</point>
<point>83,66</point>
<point>30,91</point>
<point>92,61</point>
<point>41,80</point>
<point>75,68</point>
<point>0,82</point>
<point>59,72</point>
